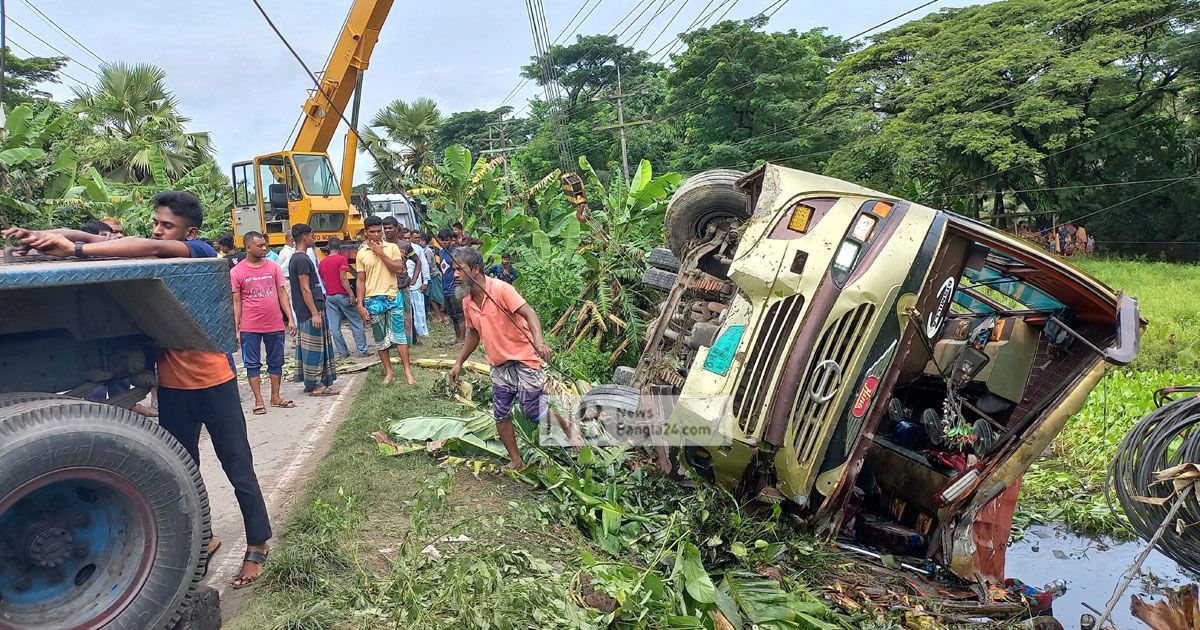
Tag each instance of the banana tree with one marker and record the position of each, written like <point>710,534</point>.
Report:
<point>625,222</point>
<point>460,188</point>
<point>29,169</point>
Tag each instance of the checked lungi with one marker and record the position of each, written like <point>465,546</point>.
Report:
<point>387,321</point>
<point>420,321</point>
<point>315,348</point>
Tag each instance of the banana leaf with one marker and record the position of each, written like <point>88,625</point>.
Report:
<point>475,434</point>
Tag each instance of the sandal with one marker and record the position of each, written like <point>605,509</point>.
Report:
<point>284,404</point>
<point>259,410</point>
<point>256,557</point>
<point>211,552</point>
<point>324,391</point>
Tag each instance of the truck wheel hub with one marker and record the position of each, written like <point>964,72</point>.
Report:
<point>47,545</point>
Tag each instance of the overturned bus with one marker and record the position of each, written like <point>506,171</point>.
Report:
<point>887,370</point>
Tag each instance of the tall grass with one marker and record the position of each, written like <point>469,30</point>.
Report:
<point>1068,486</point>
<point>1169,297</point>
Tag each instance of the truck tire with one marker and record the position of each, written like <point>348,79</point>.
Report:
<point>623,375</point>
<point>621,400</point>
<point>663,258</point>
<point>103,518</point>
<point>659,279</point>
<point>706,198</point>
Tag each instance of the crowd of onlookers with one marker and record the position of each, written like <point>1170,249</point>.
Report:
<point>385,290</point>
<point>1064,239</point>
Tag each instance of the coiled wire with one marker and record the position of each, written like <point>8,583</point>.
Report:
<point>1168,436</point>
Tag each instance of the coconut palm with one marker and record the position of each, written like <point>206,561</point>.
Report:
<point>137,118</point>
<point>411,125</point>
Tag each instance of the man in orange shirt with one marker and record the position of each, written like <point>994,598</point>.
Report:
<point>194,387</point>
<point>512,339</point>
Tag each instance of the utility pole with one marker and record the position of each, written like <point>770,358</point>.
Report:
<point>619,97</point>
<point>502,149</point>
<point>621,122</point>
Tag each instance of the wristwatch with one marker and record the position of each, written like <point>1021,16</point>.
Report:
<point>79,250</point>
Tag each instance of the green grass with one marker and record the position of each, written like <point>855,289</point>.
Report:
<point>1068,486</point>
<point>1169,297</point>
<point>362,510</point>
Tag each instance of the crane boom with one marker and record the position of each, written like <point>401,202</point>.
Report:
<point>351,55</point>
<point>275,191</point>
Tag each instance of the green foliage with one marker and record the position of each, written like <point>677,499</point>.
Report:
<point>22,75</point>
<point>1069,487</point>
<point>1168,299</point>
<point>137,126</point>
<point>461,188</point>
<point>1018,107</point>
<point>402,135</point>
<point>744,95</point>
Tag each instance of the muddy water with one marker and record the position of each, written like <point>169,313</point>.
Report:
<point>1091,568</point>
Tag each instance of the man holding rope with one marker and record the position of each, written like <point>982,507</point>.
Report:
<point>512,339</point>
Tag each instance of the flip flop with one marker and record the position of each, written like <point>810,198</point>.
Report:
<point>324,392</point>
<point>285,404</point>
<point>256,557</point>
<point>259,410</point>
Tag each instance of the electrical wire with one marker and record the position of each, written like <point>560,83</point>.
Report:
<point>62,72</point>
<point>1125,201</point>
<point>667,115</point>
<point>666,26</point>
<point>53,47</point>
<point>47,19</point>
<point>383,168</point>
<point>1168,436</point>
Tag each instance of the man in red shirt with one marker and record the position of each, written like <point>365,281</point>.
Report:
<point>512,339</point>
<point>339,305</point>
<point>259,302</point>
<point>195,388</point>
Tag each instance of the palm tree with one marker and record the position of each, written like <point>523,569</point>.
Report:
<point>139,120</point>
<point>411,125</point>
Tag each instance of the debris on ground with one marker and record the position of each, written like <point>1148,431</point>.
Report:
<point>1180,610</point>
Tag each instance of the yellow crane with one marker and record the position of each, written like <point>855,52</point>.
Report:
<point>272,192</point>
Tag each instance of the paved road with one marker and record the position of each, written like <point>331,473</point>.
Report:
<point>287,444</point>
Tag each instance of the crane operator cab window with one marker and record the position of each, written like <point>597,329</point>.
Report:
<point>317,175</point>
<point>277,170</point>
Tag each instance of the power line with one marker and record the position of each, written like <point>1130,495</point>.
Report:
<point>666,26</point>
<point>386,170</point>
<point>577,13</point>
<point>47,19</point>
<point>662,7</point>
<point>62,72</point>
<point>702,20</point>
<point>1136,197</point>
<point>328,58</point>
<point>52,47</point>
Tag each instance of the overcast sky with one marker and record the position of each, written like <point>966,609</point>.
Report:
<point>235,79</point>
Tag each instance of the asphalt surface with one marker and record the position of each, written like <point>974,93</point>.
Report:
<point>287,445</point>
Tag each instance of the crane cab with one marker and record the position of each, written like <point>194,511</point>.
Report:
<point>278,190</point>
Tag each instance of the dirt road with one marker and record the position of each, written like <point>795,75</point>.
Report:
<point>287,444</point>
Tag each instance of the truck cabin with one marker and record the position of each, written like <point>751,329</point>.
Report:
<point>273,192</point>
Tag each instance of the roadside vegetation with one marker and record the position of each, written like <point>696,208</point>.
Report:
<point>1068,487</point>
<point>429,539</point>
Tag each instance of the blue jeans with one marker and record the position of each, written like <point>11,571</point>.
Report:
<point>337,308</point>
<point>252,344</point>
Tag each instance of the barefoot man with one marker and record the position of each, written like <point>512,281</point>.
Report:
<point>380,303</point>
<point>512,339</point>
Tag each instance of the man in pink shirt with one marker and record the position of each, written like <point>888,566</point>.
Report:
<point>259,305</point>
